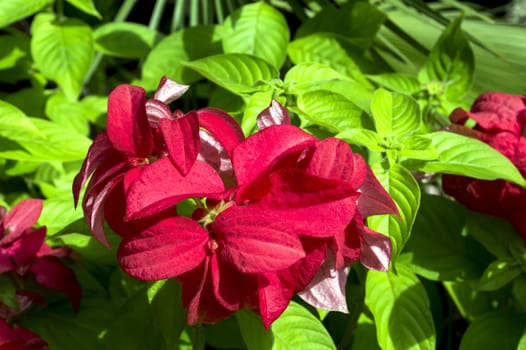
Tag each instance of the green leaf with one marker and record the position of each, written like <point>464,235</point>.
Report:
<point>256,337</point>
<point>404,190</point>
<point>151,319</point>
<point>57,213</point>
<point>311,76</point>
<point>496,235</point>
<point>89,248</point>
<point>237,73</point>
<point>69,114</point>
<point>439,249</point>
<point>255,104</point>
<point>362,137</point>
<point>125,39</point>
<point>417,147</point>
<point>395,114</point>
<point>167,57</point>
<point>497,330</point>
<point>298,329</point>
<point>62,51</point>
<point>451,62</point>
<point>498,274</point>
<point>330,110</point>
<point>326,48</point>
<point>215,334</point>
<point>461,155</point>
<point>519,290</point>
<point>14,10</point>
<point>401,310</point>
<point>399,82</point>
<point>8,292</point>
<point>64,330</point>
<point>257,29</point>
<point>14,48</point>
<point>364,336</point>
<point>356,21</point>
<point>36,139</point>
<point>86,6</point>
<point>473,303</point>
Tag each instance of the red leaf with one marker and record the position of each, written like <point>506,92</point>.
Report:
<point>160,186</point>
<point>166,249</point>
<point>169,90</point>
<point>182,140</point>
<point>222,127</point>
<point>275,114</point>
<point>21,217</point>
<point>128,127</point>
<point>375,250</point>
<point>254,243</point>
<point>51,273</point>
<point>374,199</point>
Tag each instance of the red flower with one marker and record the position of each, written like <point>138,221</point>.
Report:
<point>18,338</point>
<point>261,241</point>
<point>24,253</point>
<point>139,133</point>
<point>501,123</point>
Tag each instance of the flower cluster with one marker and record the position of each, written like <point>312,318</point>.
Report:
<point>501,123</point>
<point>268,216</point>
<point>25,259</point>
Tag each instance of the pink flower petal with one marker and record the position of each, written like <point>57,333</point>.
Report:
<point>275,114</point>
<point>51,273</point>
<point>128,127</point>
<point>327,289</point>
<point>374,199</point>
<point>23,251</point>
<point>182,140</point>
<point>161,186</point>
<point>100,150</point>
<point>21,217</point>
<point>18,338</point>
<point>254,242</point>
<point>212,152</point>
<point>256,156</point>
<point>333,159</point>
<point>375,250</point>
<point>222,127</point>
<point>275,294</point>
<point>166,249</point>
<point>498,111</point>
<point>169,90</point>
<point>157,111</point>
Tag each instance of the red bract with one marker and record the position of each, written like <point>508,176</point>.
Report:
<point>18,338</point>
<point>139,133</point>
<point>268,211</point>
<point>24,253</point>
<point>501,123</point>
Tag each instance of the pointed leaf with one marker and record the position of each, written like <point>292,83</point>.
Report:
<point>86,6</point>
<point>362,137</point>
<point>404,190</point>
<point>12,11</point>
<point>398,82</point>
<point>62,51</point>
<point>237,73</point>
<point>395,114</point>
<point>257,29</point>
<point>461,155</point>
<point>450,62</point>
<point>498,274</point>
<point>331,110</point>
<point>400,305</point>
<point>298,329</point>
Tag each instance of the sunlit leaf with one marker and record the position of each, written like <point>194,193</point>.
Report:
<point>62,51</point>
<point>257,29</point>
<point>401,310</point>
<point>14,10</point>
<point>86,6</point>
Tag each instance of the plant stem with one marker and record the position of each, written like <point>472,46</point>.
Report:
<point>219,11</point>
<point>177,18</point>
<point>155,19</point>
<point>194,13</point>
<point>356,305</point>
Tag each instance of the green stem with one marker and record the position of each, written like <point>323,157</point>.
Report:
<point>124,10</point>
<point>197,337</point>
<point>177,18</point>
<point>298,9</point>
<point>60,10</point>
<point>219,11</point>
<point>194,13</point>
<point>157,14</point>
